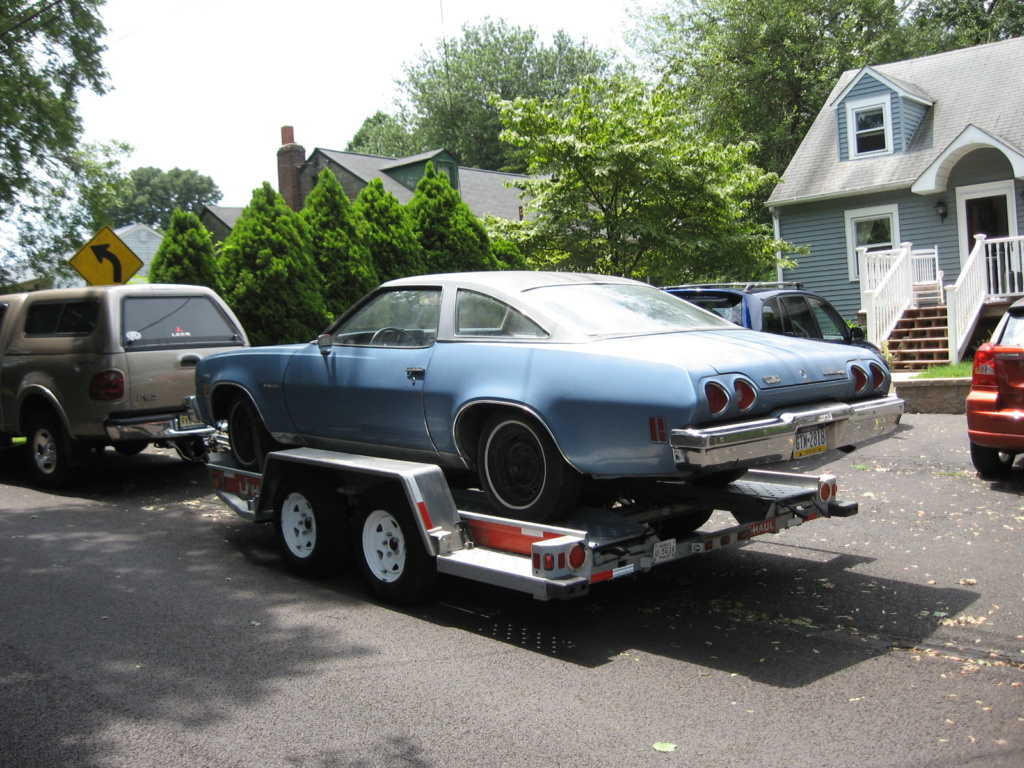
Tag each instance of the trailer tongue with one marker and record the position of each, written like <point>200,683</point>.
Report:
<point>402,524</point>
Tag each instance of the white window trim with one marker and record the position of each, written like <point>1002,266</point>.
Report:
<point>855,215</point>
<point>991,189</point>
<point>852,108</point>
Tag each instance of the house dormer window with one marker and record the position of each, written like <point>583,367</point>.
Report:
<point>869,127</point>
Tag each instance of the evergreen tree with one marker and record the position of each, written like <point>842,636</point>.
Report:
<point>389,233</point>
<point>270,279</point>
<point>453,239</point>
<point>185,254</point>
<point>337,237</point>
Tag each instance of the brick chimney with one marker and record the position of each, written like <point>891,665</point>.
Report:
<point>290,159</point>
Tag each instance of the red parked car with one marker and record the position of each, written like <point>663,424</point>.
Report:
<point>995,405</point>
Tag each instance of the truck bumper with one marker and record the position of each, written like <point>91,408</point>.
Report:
<point>761,441</point>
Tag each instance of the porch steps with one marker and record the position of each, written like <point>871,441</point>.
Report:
<point>920,339</point>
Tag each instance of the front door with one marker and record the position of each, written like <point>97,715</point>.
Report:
<point>986,209</point>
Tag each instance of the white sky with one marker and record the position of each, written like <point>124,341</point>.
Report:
<point>206,85</point>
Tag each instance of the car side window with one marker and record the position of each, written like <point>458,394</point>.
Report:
<point>62,318</point>
<point>480,315</point>
<point>771,318</point>
<point>399,318</point>
<point>829,322</point>
<point>797,319</point>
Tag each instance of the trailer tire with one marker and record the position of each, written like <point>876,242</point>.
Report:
<point>310,527</point>
<point>991,463</point>
<point>390,555</point>
<point>522,472</point>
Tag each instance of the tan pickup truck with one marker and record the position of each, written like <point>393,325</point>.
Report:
<point>83,368</point>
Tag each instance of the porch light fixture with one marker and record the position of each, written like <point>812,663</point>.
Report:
<point>942,209</point>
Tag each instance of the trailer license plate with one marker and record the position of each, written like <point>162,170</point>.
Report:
<point>809,442</point>
<point>664,550</point>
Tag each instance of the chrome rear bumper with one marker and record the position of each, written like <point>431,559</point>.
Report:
<point>771,439</point>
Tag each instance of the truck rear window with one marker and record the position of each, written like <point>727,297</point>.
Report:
<point>175,321</point>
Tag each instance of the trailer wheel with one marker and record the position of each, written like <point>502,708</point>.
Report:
<point>390,555</point>
<point>991,462</point>
<point>522,471</point>
<point>310,527</point>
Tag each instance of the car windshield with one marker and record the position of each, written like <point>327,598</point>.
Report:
<point>618,309</point>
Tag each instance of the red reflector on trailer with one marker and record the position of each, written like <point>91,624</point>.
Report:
<point>536,561</point>
<point>602,576</point>
<point>422,506</point>
<point>549,562</point>
<point>561,561</point>
<point>726,540</point>
<point>709,544</point>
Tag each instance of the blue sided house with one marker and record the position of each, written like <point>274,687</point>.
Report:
<point>909,192</point>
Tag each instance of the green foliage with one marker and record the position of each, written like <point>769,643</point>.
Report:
<point>449,90</point>
<point>150,196</point>
<point>453,239</point>
<point>760,70</point>
<point>186,254</point>
<point>337,235</point>
<point>69,208</point>
<point>386,135</point>
<point>49,52</point>
<point>389,234</point>
<point>954,24</point>
<point>268,275</point>
<point>625,183</point>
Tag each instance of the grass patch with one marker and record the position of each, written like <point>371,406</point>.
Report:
<point>955,371</point>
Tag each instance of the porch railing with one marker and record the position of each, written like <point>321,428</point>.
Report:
<point>994,268</point>
<point>887,288</point>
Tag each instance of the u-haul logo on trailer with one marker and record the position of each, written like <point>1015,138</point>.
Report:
<point>770,525</point>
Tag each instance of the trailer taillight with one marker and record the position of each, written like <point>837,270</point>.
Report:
<point>827,489</point>
<point>577,557</point>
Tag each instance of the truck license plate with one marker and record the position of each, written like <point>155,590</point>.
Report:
<point>809,442</point>
<point>184,422</point>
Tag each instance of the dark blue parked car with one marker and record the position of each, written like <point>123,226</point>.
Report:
<point>787,309</point>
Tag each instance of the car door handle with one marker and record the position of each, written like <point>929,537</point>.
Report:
<point>415,373</point>
<point>190,361</point>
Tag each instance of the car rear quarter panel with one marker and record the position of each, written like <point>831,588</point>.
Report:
<point>256,371</point>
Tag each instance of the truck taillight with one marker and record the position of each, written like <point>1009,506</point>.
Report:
<point>984,374</point>
<point>107,385</point>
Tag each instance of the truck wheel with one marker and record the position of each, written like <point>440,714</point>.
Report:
<point>49,450</point>
<point>991,462</point>
<point>249,438</point>
<point>390,556</point>
<point>522,471</point>
<point>310,527</point>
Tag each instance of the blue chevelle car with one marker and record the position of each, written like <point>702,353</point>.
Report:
<point>544,383</point>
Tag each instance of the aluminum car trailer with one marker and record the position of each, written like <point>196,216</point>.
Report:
<point>401,523</point>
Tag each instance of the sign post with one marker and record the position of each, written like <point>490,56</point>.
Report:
<point>106,260</point>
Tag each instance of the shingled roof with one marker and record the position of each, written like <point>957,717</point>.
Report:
<point>977,100</point>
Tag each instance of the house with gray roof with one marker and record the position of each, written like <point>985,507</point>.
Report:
<point>487,193</point>
<point>907,190</point>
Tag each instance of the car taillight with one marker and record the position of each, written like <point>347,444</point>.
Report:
<point>984,375</point>
<point>718,398</point>
<point>877,376</point>
<point>746,395</point>
<point>860,379</point>
<point>108,385</point>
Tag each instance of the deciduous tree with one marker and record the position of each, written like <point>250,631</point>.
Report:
<point>627,183</point>
<point>150,196</point>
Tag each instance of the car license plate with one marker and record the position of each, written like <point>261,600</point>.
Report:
<point>185,422</point>
<point>809,442</point>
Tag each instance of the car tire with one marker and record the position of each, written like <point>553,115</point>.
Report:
<point>133,448</point>
<point>49,447</point>
<point>390,555</point>
<point>991,463</point>
<point>310,524</point>
<point>684,525</point>
<point>522,472</point>
<point>249,438</point>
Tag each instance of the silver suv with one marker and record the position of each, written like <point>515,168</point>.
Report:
<point>83,368</point>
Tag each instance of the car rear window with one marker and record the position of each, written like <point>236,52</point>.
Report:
<point>1013,333</point>
<point>175,321</point>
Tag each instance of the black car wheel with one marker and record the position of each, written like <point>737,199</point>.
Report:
<point>991,462</point>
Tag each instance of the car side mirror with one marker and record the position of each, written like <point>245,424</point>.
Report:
<point>325,342</point>
<point>857,333</point>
